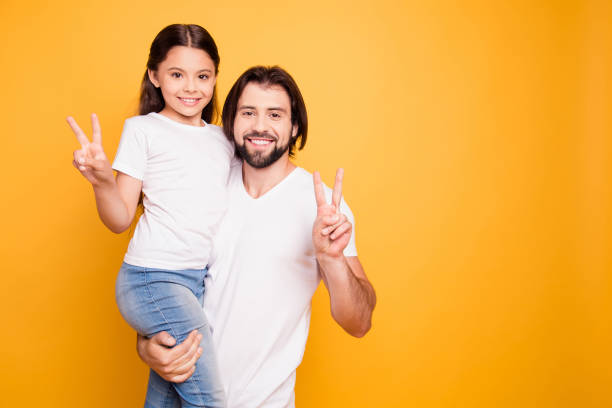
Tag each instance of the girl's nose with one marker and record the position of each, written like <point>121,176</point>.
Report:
<point>189,85</point>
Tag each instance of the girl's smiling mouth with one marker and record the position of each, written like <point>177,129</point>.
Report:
<point>190,101</point>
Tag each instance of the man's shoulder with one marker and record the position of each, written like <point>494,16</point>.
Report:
<point>299,184</point>
<point>302,175</point>
<point>306,181</point>
<point>217,132</point>
<point>235,173</point>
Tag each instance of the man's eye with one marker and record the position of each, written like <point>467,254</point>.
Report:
<point>176,75</point>
<point>247,113</point>
<point>275,115</point>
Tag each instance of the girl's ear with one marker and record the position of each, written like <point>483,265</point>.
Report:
<point>153,77</point>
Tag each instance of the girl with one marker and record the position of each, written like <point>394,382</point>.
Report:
<point>180,163</point>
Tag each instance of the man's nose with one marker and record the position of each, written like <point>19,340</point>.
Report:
<point>260,123</point>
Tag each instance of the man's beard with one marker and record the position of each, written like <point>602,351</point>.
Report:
<point>259,160</point>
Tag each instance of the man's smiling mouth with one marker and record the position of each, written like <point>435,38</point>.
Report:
<point>260,142</point>
<point>259,139</point>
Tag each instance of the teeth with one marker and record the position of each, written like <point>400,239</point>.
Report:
<point>189,100</point>
<point>260,142</point>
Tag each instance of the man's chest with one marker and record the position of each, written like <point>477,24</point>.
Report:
<point>276,232</point>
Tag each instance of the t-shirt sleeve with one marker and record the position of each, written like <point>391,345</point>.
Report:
<point>351,248</point>
<point>131,157</point>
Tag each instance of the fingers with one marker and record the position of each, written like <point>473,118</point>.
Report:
<point>179,364</point>
<point>96,151</point>
<point>181,378</point>
<point>341,230</point>
<point>97,132</point>
<point>164,338</point>
<point>184,361</point>
<point>337,193</point>
<point>79,161</point>
<point>188,366</point>
<point>318,189</point>
<point>79,166</point>
<point>80,135</point>
<point>182,349</point>
<point>87,163</point>
<point>78,156</point>
<point>332,222</point>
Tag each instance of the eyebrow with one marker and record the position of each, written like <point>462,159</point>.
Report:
<point>180,69</point>
<point>274,108</point>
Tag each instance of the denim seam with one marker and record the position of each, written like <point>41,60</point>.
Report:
<point>156,305</point>
<point>195,378</point>
<point>193,381</point>
<point>169,400</point>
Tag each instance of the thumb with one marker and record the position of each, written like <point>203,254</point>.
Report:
<point>164,339</point>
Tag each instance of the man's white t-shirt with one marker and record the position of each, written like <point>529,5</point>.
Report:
<point>262,277</point>
<point>184,170</point>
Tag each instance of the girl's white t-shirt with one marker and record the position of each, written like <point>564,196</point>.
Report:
<point>184,171</point>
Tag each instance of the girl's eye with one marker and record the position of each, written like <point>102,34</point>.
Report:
<point>176,75</point>
<point>247,113</point>
<point>203,76</point>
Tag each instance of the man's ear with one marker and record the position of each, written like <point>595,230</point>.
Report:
<point>294,131</point>
<point>153,77</point>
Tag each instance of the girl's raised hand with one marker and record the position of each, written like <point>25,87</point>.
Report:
<point>90,159</point>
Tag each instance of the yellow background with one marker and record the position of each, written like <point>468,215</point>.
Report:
<point>476,143</point>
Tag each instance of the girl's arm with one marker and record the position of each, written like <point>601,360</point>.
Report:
<point>116,198</point>
<point>117,202</point>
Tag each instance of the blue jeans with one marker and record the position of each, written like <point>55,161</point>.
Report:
<point>152,300</point>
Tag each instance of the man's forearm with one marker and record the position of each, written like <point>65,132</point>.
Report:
<point>352,297</point>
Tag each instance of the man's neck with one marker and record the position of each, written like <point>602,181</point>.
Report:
<point>258,182</point>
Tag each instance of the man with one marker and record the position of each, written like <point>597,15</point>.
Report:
<point>277,240</point>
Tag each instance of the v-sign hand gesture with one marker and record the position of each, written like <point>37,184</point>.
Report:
<point>331,230</point>
<point>90,160</point>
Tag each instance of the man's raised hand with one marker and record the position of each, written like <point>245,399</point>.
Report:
<point>90,159</point>
<point>331,230</point>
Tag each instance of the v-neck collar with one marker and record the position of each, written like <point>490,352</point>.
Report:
<point>270,191</point>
